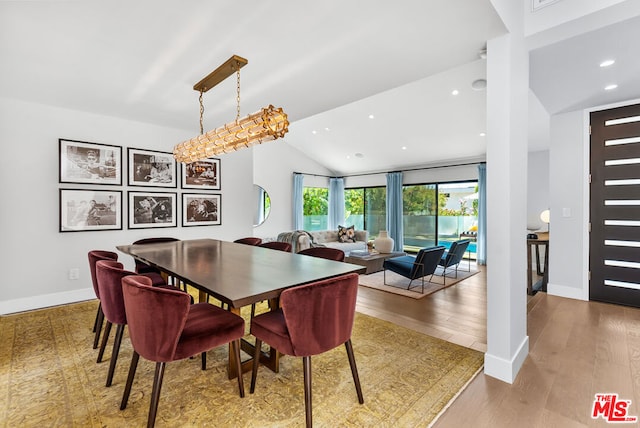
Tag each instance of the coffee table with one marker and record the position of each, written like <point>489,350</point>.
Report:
<point>373,262</point>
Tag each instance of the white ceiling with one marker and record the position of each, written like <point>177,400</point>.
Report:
<point>329,64</point>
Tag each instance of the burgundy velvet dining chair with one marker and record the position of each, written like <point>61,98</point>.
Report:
<point>277,245</point>
<point>109,274</point>
<point>143,268</point>
<point>274,245</point>
<point>249,241</point>
<point>324,253</point>
<point>164,327</point>
<point>94,257</point>
<point>313,318</point>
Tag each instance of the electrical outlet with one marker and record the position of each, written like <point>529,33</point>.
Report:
<point>74,273</point>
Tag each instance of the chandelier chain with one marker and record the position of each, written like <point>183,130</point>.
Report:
<point>201,112</point>
<point>238,92</point>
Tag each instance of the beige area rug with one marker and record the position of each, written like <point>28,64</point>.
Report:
<point>398,284</point>
<point>49,377</point>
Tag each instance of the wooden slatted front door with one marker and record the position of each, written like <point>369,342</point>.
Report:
<point>615,206</point>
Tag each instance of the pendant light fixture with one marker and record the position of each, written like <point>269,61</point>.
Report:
<point>264,125</point>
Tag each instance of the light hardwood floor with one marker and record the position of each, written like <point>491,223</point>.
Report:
<point>576,350</point>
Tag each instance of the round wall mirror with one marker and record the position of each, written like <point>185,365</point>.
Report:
<point>263,205</point>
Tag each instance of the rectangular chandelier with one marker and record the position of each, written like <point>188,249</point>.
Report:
<point>267,124</point>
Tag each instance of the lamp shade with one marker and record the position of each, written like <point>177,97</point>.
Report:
<point>545,216</point>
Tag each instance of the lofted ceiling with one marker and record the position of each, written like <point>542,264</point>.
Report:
<point>329,64</point>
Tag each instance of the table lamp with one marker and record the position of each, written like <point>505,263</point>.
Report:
<point>545,216</point>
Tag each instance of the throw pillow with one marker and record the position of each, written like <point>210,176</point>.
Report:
<point>346,234</point>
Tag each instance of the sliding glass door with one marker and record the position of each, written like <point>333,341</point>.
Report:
<point>420,209</point>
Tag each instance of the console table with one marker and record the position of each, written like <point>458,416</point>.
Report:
<point>542,240</point>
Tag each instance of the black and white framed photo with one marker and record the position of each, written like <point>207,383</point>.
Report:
<point>82,162</point>
<point>201,209</point>
<point>203,174</point>
<point>151,168</point>
<point>83,210</point>
<point>148,210</point>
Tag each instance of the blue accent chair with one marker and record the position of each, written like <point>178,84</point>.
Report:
<point>453,256</point>
<point>414,267</point>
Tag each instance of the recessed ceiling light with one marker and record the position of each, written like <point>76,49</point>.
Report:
<point>455,92</point>
<point>610,87</point>
<point>482,134</point>
<point>314,132</point>
<point>404,147</point>
<point>607,63</point>
<point>479,84</point>
<point>327,129</point>
<point>371,116</point>
<point>348,157</point>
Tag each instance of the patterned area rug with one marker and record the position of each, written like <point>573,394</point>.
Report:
<point>398,284</point>
<point>49,377</point>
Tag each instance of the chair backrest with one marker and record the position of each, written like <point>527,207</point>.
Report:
<point>109,274</point>
<point>249,241</point>
<point>277,245</point>
<point>156,317</point>
<point>143,267</point>
<point>427,261</point>
<point>456,252</point>
<point>94,257</point>
<point>319,315</point>
<point>324,253</point>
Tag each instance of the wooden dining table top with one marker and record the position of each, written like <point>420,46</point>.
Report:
<point>236,274</point>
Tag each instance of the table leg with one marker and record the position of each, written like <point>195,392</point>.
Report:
<point>545,275</point>
<point>270,359</point>
<point>529,271</point>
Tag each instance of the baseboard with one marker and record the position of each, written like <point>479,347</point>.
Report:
<point>506,370</point>
<point>568,292</point>
<point>45,301</point>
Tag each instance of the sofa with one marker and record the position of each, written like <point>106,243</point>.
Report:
<point>302,239</point>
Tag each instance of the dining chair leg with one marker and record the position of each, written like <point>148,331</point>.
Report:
<point>354,370</point>
<point>98,326</point>
<point>114,353</point>
<point>95,322</point>
<point>256,363</point>
<point>306,368</point>
<point>155,394</point>
<point>132,373</point>
<point>105,338</point>
<point>204,361</point>
<point>236,351</point>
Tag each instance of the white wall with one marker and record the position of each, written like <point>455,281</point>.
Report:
<point>537,187</point>
<point>568,238</point>
<point>273,166</point>
<point>36,257</point>
<point>422,176</point>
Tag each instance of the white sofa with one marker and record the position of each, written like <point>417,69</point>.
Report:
<point>329,238</point>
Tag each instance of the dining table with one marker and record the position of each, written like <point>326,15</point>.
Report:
<point>238,275</point>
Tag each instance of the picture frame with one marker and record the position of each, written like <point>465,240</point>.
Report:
<point>151,168</point>
<point>89,210</point>
<point>152,210</point>
<point>201,209</point>
<point>82,162</point>
<point>203,174</point>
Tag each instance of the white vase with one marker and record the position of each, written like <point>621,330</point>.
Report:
<point>383,243</point>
